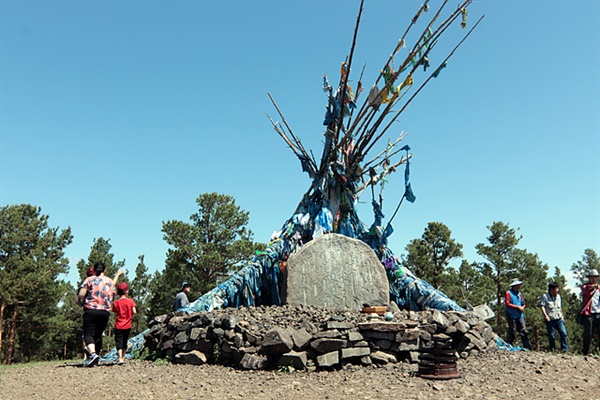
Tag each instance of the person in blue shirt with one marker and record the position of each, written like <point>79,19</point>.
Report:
<point>515,305</point>
<point>181,299</point>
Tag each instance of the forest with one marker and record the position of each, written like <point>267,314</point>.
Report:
<point>40,320</point>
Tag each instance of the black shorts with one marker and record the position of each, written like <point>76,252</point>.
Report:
<point>121,338</point>
<point>94,322</point>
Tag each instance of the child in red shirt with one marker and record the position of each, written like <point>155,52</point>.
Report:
<point>124,308</point>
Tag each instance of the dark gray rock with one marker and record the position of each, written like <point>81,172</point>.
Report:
<point>325,345</point>
<point>174,322</point>
<point>439,319</point>
<point>203,345</point>
<point>181,337</point>
<point>381,326</point>
<point>160,320</point>
<point>194,357</point>
<point>229,322</point>
<point>297,360</point>
<point>382,357</point>
<point>355,336</point>
<point>340,325</point>
<point>408,335</point>
<point>383,344</point>
<point>251,337</point>
<point>407,346</point>
<point>254,362</point>
<point>366,360</point>
<point>301,338</point>
<point>196,333</point>
<point>277,341</point>
<point>166,345</point>
<point>184,326</point>
<point>375,335</point>
<point>249,350</point>
<point>229,334</point>
<point>187,346</point>
<point>461,326</point>
<point>328,334</point>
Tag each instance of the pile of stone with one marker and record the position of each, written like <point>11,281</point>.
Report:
<point>312,338</point>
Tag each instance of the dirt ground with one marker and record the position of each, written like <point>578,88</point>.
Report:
<point>500,375</point>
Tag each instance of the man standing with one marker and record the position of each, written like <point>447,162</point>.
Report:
<point>181,299</point>
<point>551,305</point>
<point>515,304</point>
<point>591,309</point>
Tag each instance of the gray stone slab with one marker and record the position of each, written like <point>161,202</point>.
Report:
<point>355,336</point>
<point>329,359</point>
<point>382,326</point>
<point>335,271</point>
<point>327,345</point>
<point>354,352</point>
<point>301,338</point>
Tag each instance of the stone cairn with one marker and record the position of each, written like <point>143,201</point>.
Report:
<point>313,338</point>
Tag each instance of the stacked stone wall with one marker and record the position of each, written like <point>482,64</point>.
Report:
<point>312,338</point>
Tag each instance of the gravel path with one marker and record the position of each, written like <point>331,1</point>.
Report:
<point>501,375</point>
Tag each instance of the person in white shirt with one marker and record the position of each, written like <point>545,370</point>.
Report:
<point>551,306</point>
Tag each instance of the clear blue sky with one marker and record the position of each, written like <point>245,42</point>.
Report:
<point>115,116</point>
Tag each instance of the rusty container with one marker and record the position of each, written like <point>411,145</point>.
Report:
<point>439,362</point>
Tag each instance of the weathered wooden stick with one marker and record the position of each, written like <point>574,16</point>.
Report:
<point>402,136</point>
<point>388,171</point>
<point>377,123</point>
<point>297,141</point>
<point>427,80</point>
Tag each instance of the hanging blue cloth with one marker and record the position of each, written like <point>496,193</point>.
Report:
<point>408,193</point>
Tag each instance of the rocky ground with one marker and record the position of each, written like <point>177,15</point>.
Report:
<point>498,375</point>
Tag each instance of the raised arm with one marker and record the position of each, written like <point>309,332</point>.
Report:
<point>117,275</point>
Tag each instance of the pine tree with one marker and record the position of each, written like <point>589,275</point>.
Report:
<point>211,247</point>
<point>502,244</point>
<point>31,259</point>
<point>581,268</point>
<point>100,252</point>
<point>140,293</point>
<point>429,256</point>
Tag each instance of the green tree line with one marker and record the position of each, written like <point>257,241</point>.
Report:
<point>486,282</point>
<point>39,318</point>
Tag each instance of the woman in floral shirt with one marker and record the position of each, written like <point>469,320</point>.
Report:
<point>96,294</point>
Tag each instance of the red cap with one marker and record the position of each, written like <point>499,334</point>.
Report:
<point>90,271</point>
<point>123,286</point>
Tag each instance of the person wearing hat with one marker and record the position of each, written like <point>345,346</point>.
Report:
<point>181,299</point>
<point>551,305</point>
<point>590,300</point>
<point>124,309</point>
<point>515,305</point>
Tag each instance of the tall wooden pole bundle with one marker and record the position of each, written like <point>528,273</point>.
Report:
<point>342,174</point>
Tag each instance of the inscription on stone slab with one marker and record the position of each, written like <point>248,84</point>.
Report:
<point>335,271</point>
